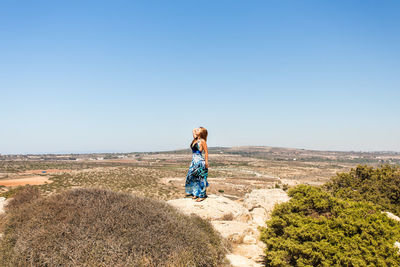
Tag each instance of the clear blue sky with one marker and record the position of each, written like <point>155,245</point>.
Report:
<point>122,76</point>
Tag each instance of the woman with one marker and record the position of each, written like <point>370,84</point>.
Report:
<point>196,179</point>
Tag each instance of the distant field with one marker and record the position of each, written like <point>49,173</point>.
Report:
<point>232,172</point>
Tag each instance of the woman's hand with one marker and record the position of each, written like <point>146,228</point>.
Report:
<point>206,165</point>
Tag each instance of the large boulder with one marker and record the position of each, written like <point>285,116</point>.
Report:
<point>214,207</point>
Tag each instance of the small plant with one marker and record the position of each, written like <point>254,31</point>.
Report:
<point>228,217</point>
<point>285,187</point>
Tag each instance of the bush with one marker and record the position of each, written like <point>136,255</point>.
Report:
<point>315,228</point>
<point>13,191</point>
<point>22,195</point>
<point>380,186</point>
<point>94,227</point>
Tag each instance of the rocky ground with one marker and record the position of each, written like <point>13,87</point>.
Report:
<point>237,220</point>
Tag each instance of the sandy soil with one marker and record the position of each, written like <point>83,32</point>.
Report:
<point>34,180</point>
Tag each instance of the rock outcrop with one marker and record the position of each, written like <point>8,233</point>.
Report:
<point>214,208</point>
<point>260,203</point>
<point>237,221</point>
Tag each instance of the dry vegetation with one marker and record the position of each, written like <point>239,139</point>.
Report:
<point>233,171</point>
<point>95,227</point>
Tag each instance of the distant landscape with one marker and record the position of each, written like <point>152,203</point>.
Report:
<point>233,172</point>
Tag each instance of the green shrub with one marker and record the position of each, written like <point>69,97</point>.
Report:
<point>285,187</point>
<point>94,227</point>
<point>315,228</point>
<point>380,186</point>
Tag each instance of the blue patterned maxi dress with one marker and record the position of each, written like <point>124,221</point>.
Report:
<point>196,178</point>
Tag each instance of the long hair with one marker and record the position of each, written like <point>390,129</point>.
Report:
<point>203,134</point>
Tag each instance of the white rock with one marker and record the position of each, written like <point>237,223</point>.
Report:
<point>2,204</point>
<point>259,216</point>
<point>392,216</point>
<point>233,230</point>
<point>264,198</point>
<point>240,261</point>
<point>214,207</point>
<point>248,239</point>
<point>254,252</point>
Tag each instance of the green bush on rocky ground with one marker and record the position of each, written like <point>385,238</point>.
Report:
<point>315,228</point>
<point>96,227</point>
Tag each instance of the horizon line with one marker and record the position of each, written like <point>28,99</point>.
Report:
<point>161,151</point>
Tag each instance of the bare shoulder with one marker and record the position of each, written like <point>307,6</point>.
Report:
<point>203,144</point>
<point>202,141</point>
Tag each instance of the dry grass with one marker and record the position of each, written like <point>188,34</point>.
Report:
<point>236,174</point>
<point>96,227</point>
<point>139,180</point>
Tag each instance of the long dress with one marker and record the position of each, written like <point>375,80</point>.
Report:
<point>196,178</point>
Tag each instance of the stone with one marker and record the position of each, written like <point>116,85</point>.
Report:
<point>237,221</point>
<point>254,252</point>
<point>240,261</point>
<point>214,208</point>
<point>3,202</point>
<point>264,198</point>
<point>234,231</point>
<point>248,239</point>
<point>259,216</point>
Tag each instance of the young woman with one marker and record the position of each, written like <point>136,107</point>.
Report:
<point>196,178</point>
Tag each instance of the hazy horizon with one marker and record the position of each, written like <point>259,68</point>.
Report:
<point>125,152</point>
<point>138,76</point>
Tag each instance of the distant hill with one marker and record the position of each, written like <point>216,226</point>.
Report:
<point>280,153</point>
<point>261,152</point>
